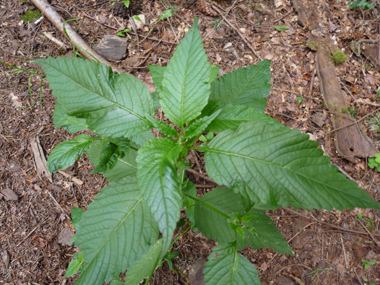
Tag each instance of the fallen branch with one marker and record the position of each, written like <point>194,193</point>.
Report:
<point>49,12</point>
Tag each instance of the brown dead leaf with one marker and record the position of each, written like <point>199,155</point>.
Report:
<point>9,195</point>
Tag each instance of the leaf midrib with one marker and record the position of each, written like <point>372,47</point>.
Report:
<point>115,103</point>
<point>271,164</point>
<point>113,232</point>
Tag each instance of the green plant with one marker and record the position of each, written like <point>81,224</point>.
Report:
<point>368,263</point>
<point>361,4</point>
<point>281,28</point>
<point>374,161</point>
<point>366,280</point>
<point>300,99</point>
<point>263,164</point>
<point>31,15</point>
<point>338,57</point>
<point>316,272</point>
<point>374,123</point>
<point>126,2</point>
<point>352,112</point>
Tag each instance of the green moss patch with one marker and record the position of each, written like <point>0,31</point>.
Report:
<point>31,16</point>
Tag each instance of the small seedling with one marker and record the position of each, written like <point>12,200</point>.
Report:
<point>257,24</point>
<point>338,57</point>
<point>366,280</point>
<point>124,32</point>
<point>312,45</point>
<point>126,2</point>
<point>300,99</point>
<point>281,28</point>
<point>374,162</point>
<point>75,265</point>
<point>352,112</point>
<point>361,4</point>
<point>316,272</point>
<point>368,263</point>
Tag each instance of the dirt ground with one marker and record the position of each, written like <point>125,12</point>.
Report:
<point>329,246</point>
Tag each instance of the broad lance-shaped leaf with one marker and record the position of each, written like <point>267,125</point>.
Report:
<point>162,127</point>
<point>185,88</point>
<point>70,123</point>
<point>144,267</point>
<point>212,210</point>
<point>125,167</point>
<point>227,267</point>
<point>245,86</point>
<point>116,231</point>
<point>275,166</point>
<point>67,152</point>
<point>113,105</point>
<point>200,125</point>
<point>160,183</point>
<point>232,116</point>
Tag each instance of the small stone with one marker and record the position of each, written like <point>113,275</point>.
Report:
<point>9,195</point>
<point>65,237</point>
<point>112,47</point>
<point>196,276</point>
<point>229,48</point>
<point>5,258</point>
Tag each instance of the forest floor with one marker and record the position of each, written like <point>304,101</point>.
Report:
<point>35,213</point>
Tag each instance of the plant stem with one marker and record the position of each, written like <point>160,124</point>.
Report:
<point>207,205</point>
<point>20,69</point>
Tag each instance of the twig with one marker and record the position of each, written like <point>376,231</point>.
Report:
<point>287,14</point>
<point>369,233</point>
<point>74,179</point>
<point>205,186</point>
<point>330,225</point>
<point>200,175</point>
<point>348,91</point>
<point>300,264</point>
<point>31,232</point>
<point>344,251</point>
<point>312,82</point>
<point>354,123</point>
<point>345,173</point>
<point>308,225</point>
<point>378,59</point>
<point>56,41</point>
<point>237,30</point>
<point>59,206</point>
<point>105,25</point>
<point>171,26</point>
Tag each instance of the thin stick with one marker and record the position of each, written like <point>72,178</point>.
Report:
<point>344,251</point>
<point>205,186</point>
<point>283,16</point>
<point>354,123</point>
<point>59,206</point>
<point>348,91</point>
<point>56,41</point>
<point>293,238</point>
<point>200,175</point>
<point>369,233</point>
<point>74,179</point>
<point>237,30</point>
<point>330,225</point>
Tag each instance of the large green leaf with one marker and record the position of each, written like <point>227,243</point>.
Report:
<point>200,125</point>
<point>227,267</point>
<point>212,210</point>
<point>163,127</point>
<point>185,88</point>
<point>124,167</point>
<point>113,105</point>
<point>245,86</point>
<point>159,183</point>
<point>144,267</point>
<point>141,138</point>
<point>67,152</point>
<point>115,232</point>
<point>70,123</point>
<point>274,166</point>
<point>233,115</point>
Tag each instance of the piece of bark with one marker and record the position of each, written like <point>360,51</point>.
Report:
<point>9,194</point>
<point>371,52</point>
<point>5,258</point>
<point>65,236</point>
<point>112,47</point>
<point>39,159</point>
<point>350,141</point>
<point>196,276</point>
